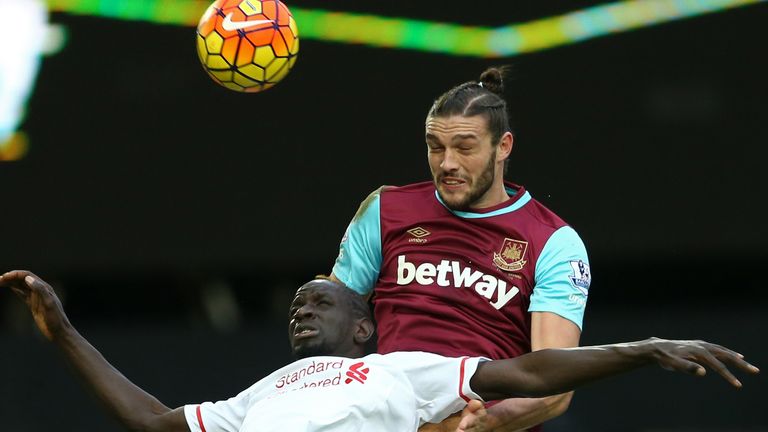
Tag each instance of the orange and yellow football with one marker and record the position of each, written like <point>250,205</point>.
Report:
<point>247,45</point>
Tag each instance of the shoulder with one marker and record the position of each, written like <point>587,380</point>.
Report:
<point>370,200</point>
<point>530,214</point>
<point>405,195</point>
<point>426,187</point>
<point>543,215</point>
<point>394,193</point>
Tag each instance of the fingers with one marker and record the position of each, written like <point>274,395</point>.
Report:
<point>716,357</point>
<point>473,406</point>
<point>732,358</point>
<point>693,357</point>
<point>24,284</point>
<point>470,416</point>
<point>716,365</point>
<point>21,279</point>
<point>15,277</point>
<point>674,362</point>
<point>721,349</point>
<point>15,281</point>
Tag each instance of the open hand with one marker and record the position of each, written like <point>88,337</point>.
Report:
<point>694,357</point>
<point>39,296</point>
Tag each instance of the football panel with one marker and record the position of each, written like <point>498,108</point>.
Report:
<point>287,37</point>
<point>215,61</point>
<point>284,15</point>
<point>250,7</point>
<point>213,43</point>
<point>278,44</point>
<point>202,52</point>
<point>268,9</point>
<point>263,56</point>
<point>221,76</point>
<point>293,27</point>
<point>279,75</point>
<point>253,72</point>
<point>261,37</point>
<point>208,22</point>
<point>233,86</point>
<point>275,69</point>
<point>229,49</point>
<point>245,53</point>
<point>245,82</point>
<point>262,87</point>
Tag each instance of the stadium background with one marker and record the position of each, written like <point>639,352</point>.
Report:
<point>176,218</point>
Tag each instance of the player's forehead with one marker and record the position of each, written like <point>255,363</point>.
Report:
<point>456,126</point>
<point>316,289</point>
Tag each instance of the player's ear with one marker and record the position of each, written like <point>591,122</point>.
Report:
<point>364,329</point>
<point>505,146</point>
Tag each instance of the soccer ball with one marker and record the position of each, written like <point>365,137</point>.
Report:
<point>247,45</point>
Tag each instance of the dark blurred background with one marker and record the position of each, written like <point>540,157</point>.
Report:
<point>176,218</point>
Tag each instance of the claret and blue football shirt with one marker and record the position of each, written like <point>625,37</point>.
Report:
<point>462,283</point>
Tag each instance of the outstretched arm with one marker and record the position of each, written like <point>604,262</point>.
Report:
<point>135,408</point>
<point>541,373</point>
<point>548,330</point>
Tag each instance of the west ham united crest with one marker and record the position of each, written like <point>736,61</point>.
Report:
<point>511,256</point>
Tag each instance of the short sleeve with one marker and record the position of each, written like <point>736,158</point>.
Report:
<point>221,416</point>
<point>440,384</point>
<point>359,260</point>
<point>562,277</point>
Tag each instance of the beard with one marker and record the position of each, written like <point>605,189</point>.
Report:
<point>311,350</point>
<point>477,190</point>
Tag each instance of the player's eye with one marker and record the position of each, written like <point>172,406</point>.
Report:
<point>466,146</point>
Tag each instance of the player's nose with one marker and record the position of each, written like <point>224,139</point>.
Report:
<point>306,311</point>
<point>449,162</point>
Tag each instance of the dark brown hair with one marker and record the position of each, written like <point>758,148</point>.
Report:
<point>484,97</point>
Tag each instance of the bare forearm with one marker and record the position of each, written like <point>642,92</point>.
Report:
<point>518,414</point>
<point>542,373</point>
<point>135,408</point>
<point>554,371</point>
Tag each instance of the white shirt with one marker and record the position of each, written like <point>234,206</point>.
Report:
<point>393,392</point>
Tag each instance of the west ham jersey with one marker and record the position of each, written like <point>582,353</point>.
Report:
<point>462,283</point>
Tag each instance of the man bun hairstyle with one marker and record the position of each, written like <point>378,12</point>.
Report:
<point>484,97</point>
<point>493,80</point>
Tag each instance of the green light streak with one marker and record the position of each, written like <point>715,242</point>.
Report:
<point>429,36</point>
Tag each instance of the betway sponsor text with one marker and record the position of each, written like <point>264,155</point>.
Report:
<point>451,273</point>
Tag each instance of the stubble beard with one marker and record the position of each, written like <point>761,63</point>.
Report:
<point>476,192</point>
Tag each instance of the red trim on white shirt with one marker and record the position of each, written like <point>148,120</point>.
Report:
<point>200,417</point>
<point>461,381</point>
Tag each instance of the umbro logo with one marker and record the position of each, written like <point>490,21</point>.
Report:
<point>417,235</point>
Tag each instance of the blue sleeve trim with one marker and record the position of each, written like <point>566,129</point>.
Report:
<point>562,277</point>
<point>359,260</point>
